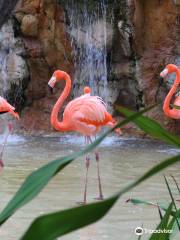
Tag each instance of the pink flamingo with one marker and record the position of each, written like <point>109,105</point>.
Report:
<point>113,122</point>
<point>4,108</point>
<point>85,114</point>
<point>172,112</point>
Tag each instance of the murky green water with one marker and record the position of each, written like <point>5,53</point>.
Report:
<point>123,160</point>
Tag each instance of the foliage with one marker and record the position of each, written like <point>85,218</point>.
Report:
<point>152,128</point>
<point>170,220</point>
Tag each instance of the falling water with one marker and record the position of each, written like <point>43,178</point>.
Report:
<point>13,68</point>
<point>90,33</point>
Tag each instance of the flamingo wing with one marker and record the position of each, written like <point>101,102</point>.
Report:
<point>91,109</point>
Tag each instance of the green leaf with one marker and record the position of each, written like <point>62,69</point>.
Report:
<point>57,224</point>
<point>176,183</point>
<point>173,201</point>
<point>151,127</point>
<point>37,180</point>
<point>176,214</point>
<point>139,202</point>
<point>174,227</point>
<point>173,224</point>
<point>51,226</point>
<point>163,225</point>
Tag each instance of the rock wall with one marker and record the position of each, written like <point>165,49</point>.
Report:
<point>41,28</point>
<point>6,6</point>
<point>155,41</point>
<point>14,72</point>
<point>123,83</point>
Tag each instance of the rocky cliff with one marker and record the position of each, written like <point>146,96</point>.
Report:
<point>33,45</point>
<point>155,43</point>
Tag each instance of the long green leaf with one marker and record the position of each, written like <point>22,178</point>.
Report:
<point>173,225</point>
<point>51,226</point>
<point>172,199</point>
<point>176,183</point>
<point>163,225</point>
<point>151,127</point>
<point>37,180</point>
<point>65,221</point>
<point>140,202</point>
<point>176,214</point>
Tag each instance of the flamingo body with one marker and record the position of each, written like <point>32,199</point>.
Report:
<point>86,115</point>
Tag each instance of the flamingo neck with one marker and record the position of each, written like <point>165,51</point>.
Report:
<point>60,126</point>
<point>166,106</point>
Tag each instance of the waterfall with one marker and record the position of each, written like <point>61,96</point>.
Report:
<point>90,33</point>
<point>13,68</point>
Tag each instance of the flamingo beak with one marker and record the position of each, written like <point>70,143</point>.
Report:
<point>164,73</point>
<point>52,83</point>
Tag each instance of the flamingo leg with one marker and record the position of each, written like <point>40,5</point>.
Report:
<point>99,178</point>
<point>86,179</point>
<point>87,161</point>
<point>98,174</point>
<point>7,132</point>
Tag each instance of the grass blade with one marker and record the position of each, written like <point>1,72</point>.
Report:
<point>51,226</point>
<point>172,199</point>
<point>136,201</point>
<point>160,213</point>
<point>173,226</point>
<point>163,225</point>
<point>152,128</point>
<point>175,183</point>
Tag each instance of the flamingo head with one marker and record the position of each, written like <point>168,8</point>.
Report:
<point>170,68</point>
<point>87,90</point>
<point>57,76</point>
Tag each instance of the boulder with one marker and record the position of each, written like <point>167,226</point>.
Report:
<point>29,26</point>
